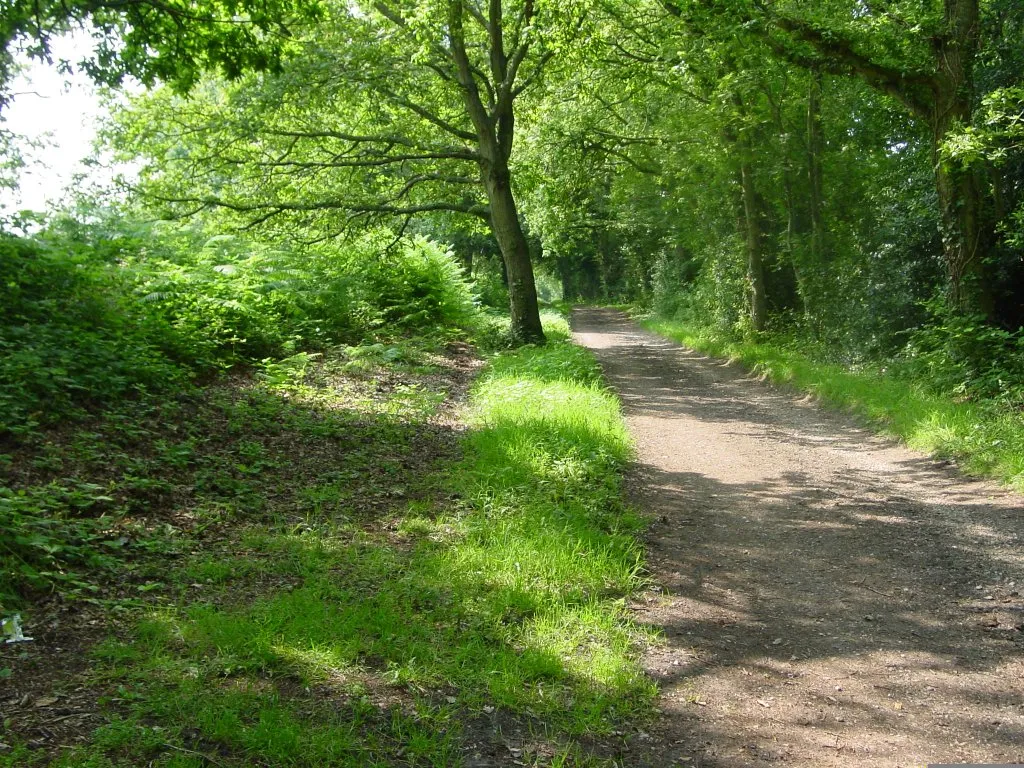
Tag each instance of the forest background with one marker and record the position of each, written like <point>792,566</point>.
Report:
<point>840,184</point>
<point>847,176</point>
<point>227,362</point>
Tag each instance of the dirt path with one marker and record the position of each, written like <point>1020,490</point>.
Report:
<point>827,598</point>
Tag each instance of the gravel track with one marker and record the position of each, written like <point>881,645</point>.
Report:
<point>826,597</point>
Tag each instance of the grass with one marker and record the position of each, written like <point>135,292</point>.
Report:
<point>493,328</point>
<point>346,602</point>
<point>984,438</point>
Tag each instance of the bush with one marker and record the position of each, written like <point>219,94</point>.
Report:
<point>418,287</point>
<point>71,336</point>
<point>92,314</point>
<point>244,300</point>
<point>709,290</point>
<point>962,355</point>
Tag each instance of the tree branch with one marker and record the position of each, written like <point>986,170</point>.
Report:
<point>477,14</point>
<point>425,178</point>
<point>342,161</point>
<point>477,111</point>
<point>459,153</point>
<point>531,78</point>
<point>429,116</point>
<point>646,169</point>
<point>474,209</point>
<point>518,54</point>
<point>268,210</point>
<point>499,63</point>
<point>839,56</point>
<point>399,21</point>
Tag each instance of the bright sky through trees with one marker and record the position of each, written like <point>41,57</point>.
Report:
<point>61,112</point>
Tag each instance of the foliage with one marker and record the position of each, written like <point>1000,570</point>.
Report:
<point>11,159</point>
<point>963,356</point>
<point>52,538</point>
<point>73,336</point>
<point>996,140</point>
<point>1001,131</point>
<point>421,287</point>
<point>244,300</point>
<point>355,556</point>
<point>96,313</point>
<point>711,292</point>
<point>168,41</point>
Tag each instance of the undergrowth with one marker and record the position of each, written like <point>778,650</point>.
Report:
<point>105,330</point>
<point>325,574</point>
<point>984,434</point>
<point>90,316</point>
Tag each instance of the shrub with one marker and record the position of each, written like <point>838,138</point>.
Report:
<point>71,336</point>
<point>92,314</point>
<point>419,287</point>
<point>962,355</point>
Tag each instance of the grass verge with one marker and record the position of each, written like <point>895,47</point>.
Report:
<point>355,593</point>
<point>982,437</point>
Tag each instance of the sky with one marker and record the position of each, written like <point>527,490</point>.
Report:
<point>61,109</point>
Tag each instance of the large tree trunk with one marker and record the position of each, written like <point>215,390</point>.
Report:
<point>755,248</point>
<point>565,276</point>
<point>494,133</point>
<point>966,236</point>
<point>515,252</point>
<point>815,147</point>
<point>796,224</point>
<point>796,220</point>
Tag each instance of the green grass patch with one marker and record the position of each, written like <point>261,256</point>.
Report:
<point>549,533</point>
<point>986,438</point>
<point>318,628</point>
<point>492,330</point>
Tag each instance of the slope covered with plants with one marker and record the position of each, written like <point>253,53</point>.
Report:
<point>259,506</point>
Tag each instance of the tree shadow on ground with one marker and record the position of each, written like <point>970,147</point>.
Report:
<point>831,596</point>
<point>783,578</point>
<point>342,601</point>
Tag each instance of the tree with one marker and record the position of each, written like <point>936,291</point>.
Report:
<point>390,110</point>
<point>921,54</point>
<point>172,41</point>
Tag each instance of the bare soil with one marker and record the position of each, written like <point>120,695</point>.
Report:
<point>826,596</point>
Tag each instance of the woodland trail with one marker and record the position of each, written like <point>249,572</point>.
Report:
<point>826,597</point>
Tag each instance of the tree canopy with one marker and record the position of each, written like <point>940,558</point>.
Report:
<point>772,159</point>
<point>171,41</point>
